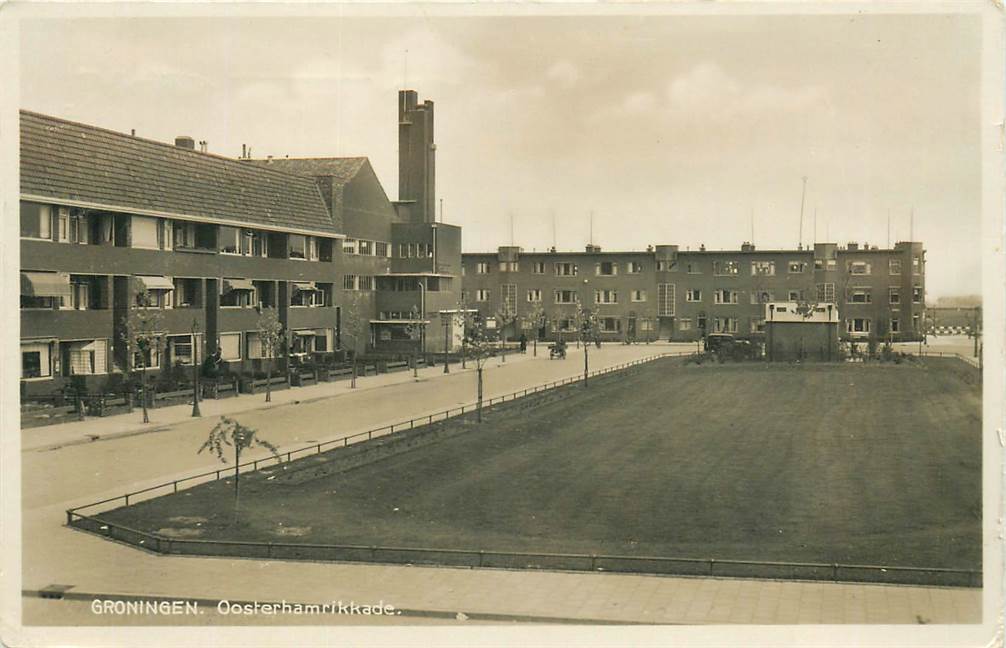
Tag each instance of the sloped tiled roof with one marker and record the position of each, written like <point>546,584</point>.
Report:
<point>342,169</point>
<point>65,160</point>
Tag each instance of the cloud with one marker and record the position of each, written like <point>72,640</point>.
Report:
<point>708,91</point>
<point>564,73</point>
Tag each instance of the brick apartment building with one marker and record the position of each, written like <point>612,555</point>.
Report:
<point>669,294</point>
<point>213,240</point>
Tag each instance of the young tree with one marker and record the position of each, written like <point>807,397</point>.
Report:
<point>464,319</point>
<point>229,432</point>
<point>506,316</point>
<point>537,319</point>
<point>587,331</point>
<point>415,332</point>
<point>354,328</point>
<point>270,332</point>
<point>142,333</point>
<point>477,345</point>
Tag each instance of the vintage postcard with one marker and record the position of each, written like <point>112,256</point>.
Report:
<point>502,324</point>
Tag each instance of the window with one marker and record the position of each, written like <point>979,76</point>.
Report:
<point>367,282</point>
<point>35,360</point>
<point>36,221</point>
<point>860,295</point>
<point>307,294</point>
<point>665,300</point>
<point>915,323</point>
<point>685,324</point>
<point>481,295</point>
<point>858,326</point>
<point>859,267</point>
<point>635,267</point>
<point>230,240</point>
<point>724,296</point>
<point>80,294</point>
<point>154,299</point>
<point>509,266</point>
<point>762,296</point>
<point>144,232</point>
<point>667,266</point>
<point>482,267</point>
<point>381,249</point>
<point>508,298</point>
<point>693,295</point>
<point>538,267</point>
<point>240,294</point>
<point>692,267</point>
<point>827,265</point>
<point>349,282</point>
<point>757,324</point>
<point>795,295</point>
<point>565,269</point>
<point>637,295</point>
<point>826,293</point>
<point>349,246</point>
<point>151,358</point>
<point>565,297</point>
<point>312,248</point>
<point>297,246</point>
<point>894,266</point>
<point>402,251</point>
<point>606,269</point>
<point>763,268</point>
<point>63,224</point>
<point>916,265</point>
<point>894,295</point>
<point>534,295</point>
<point>610,324</point>
<point>230,346</point>
<point>186,292</point>
<point>33,302</point>
<point>180,347</point>
<point>797,267</point>
<point>87,357</point>
<point>895,325</point>
<point>726,268</point>
<point>725,325</point>
<point>916,294</point>
<point>700,321</point>
<point>367,248</point>
<point>605,297</point>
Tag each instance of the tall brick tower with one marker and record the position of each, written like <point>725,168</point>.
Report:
<point>416,157</point>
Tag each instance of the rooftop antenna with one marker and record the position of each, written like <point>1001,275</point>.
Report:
<point>553,229</point>
<point>911,224</point>
<point>511,228</point>
<point>405,71</point>
<point>752,226</point>
<point>888,228</point>
<point>592,227</point>
<point>803,194</point>
<point>815,223</point>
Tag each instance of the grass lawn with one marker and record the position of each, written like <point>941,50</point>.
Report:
<point>826,463</point>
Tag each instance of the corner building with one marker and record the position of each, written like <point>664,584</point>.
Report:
<point>216,239</point>
<point>668,294</point>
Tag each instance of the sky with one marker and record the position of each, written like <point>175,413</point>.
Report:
<point>682,130</point>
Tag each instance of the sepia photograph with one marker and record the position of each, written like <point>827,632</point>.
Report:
<point>502,324</point>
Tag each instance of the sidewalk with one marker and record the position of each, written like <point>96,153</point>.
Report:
<point>109,427</point>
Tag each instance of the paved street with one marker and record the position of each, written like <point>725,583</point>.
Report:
<point>59,471</point>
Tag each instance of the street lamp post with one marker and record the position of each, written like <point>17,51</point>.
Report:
<point>447,339</point>
<point>195,370</point>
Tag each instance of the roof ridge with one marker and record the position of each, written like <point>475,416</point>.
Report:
<point>167,145</point>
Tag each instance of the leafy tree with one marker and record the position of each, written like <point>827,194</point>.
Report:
<point>506,316</point>
<point>587,331</point>
<point>415,333</point>
<point>270,332</point>
<point>537,318</point>
<point>477,345</point>
<point>142,334</point>
<point>229,433</point>
<point>354,328</point>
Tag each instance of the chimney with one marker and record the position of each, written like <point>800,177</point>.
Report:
<point>416,156</point>
<point>185,142</point>
<point>593,249</point>
<point>203,145</point>
<point>852,247</point>
<point>747,247</point>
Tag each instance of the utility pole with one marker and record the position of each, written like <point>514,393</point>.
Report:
<point>195,369</point>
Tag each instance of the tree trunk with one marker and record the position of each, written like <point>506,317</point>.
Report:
<point>352,383</point>
<point>237,480</point>
<point>536,345</point>
<point>268,382</point>
<point>143,388</point>
<point>480,395</point>
<point>585,365</point>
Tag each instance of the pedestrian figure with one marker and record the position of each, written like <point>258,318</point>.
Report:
<point>523,343</point>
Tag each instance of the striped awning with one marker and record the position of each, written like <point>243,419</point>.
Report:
<point>156,282</point>
<point>304,285</point>
<point>238,284</point>
<point>45,284</point>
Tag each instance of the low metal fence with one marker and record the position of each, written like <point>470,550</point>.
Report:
<point>318,448</point>
<point>974,362</point>
<point>503,559</point>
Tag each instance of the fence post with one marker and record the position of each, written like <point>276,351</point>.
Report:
<point>218,474</point>
<point>834,571</point>
<point>370,433</point>
<point>175,485</point>
<point>593,562</point>
<point>127,498</point>
<point>711,561</point>
<point>69,517</point>
<point>481,556</point>
<point>319,448</point>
